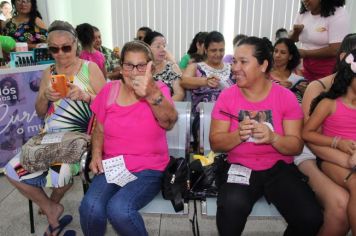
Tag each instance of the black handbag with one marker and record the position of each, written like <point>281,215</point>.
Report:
<point>175,183</point>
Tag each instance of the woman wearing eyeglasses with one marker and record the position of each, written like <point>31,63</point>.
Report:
<point>26,25</point>
<point>132,115</point>
<point>165,70</point>
<point>71,113</point>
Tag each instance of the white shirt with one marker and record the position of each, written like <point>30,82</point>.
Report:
<point>319,32</point>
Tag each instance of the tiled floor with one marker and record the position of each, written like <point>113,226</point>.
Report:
<point>14,218</point>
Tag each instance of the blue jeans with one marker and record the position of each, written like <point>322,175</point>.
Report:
<point>119,205</point>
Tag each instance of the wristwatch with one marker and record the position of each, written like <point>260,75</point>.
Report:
<point>158,100</point>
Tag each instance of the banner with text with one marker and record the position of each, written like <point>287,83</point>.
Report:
<point>18,118</point>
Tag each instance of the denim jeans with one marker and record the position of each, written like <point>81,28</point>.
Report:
<point>119,205</point>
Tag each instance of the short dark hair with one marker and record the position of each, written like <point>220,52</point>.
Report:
<point>136,46</point>
<point>198,38</point>
<point>145,28</point>
<point>293,51</point>
<point>262,50</point>
<point>279,33</point>
<point>85,33</point>
<point>150,37</point>
<point>213,37</point>
<point>327,7</point>
<point>238,38</point>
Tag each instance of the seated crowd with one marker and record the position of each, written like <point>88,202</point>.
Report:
<point>289,131</point>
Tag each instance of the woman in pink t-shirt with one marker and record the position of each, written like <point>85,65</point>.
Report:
<point>334,112</point>
<point>258,123</point>
<point>86,37</point>
<point>132,116</point>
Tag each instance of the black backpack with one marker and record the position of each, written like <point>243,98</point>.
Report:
<point>175,183</point>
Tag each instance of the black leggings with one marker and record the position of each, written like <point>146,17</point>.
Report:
<point>281,185</point>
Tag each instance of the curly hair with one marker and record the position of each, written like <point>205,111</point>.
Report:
<point>34,13</point>
<point>293,51</point>
<point>327,7</point>
<point>343,79</point>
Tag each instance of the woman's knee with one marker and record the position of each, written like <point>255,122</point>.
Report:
<point>90,208</point>
<point>228,204</point>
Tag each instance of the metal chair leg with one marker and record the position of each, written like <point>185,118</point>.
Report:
<point>32,223</point>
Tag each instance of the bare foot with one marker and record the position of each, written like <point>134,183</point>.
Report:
<point>54,212</point>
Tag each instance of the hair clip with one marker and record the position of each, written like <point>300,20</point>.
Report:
<point>350,60</point>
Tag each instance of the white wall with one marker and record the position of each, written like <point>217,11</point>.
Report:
<point>178,20</point>
<point>95,12</point>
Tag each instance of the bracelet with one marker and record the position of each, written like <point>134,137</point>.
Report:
<point>335,141</point>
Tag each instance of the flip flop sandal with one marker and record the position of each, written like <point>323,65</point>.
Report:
<point>63,222</point>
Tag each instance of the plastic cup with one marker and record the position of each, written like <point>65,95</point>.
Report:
<point>59,83</point>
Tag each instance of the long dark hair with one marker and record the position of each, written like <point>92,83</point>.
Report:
<point>347,45</point>
<point>293,51</point>
<point>343,79</point>
<point>32,14</point>
<point>198,38</point>
<point>327,7</point>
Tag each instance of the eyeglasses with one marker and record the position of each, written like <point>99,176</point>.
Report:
<point>138,38</point>
<point>23,1</point>
<point>130,67</point>
<point>64,49</point>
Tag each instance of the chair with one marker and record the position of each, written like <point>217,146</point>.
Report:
<point>208,206</point>
<point>178,139</point>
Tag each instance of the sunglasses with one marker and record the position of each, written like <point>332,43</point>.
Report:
<point>64,49</point>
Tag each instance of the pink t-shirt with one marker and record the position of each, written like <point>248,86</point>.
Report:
<point>341,123</point>
<point>280,104</point>
<point>96,57</point>
<point>132,131</point>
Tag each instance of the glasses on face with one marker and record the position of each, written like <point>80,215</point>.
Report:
<point>64,49</point>
<point>130,67</point>
<point>138,38</point>
<point>23,1</point>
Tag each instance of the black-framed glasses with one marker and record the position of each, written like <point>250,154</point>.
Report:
<point>130,67</point>
<point>65,49</point>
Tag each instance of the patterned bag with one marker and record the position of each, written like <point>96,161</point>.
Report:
<point>36,156</point>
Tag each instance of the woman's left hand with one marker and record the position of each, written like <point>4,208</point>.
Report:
<point>262,133</point>
<point>145,86</point>
<point>75,93</point>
